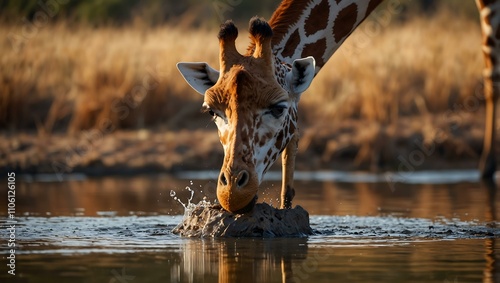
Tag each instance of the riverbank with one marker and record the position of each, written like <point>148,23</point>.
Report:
<point>109,100</point>
<point>429,142</point>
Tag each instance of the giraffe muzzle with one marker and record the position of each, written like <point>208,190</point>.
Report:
<point>237,190</point>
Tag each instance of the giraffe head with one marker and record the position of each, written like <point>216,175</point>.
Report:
<point>255,115</point>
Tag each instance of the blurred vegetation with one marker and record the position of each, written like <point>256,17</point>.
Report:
<point>150,12</point>
<point>187,12</point>
<point>71,78</point>
<point>82,67</point>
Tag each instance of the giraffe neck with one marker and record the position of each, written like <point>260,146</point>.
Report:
<point>283,137</point>
<point>490,24</point>
<point>315,27</point>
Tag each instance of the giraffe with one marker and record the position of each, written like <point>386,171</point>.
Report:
<point>256,117</point>
<point>253,99</point>
<point>489,11</point>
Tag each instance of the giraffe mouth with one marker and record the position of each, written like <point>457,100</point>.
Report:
<point>247,208</point>
<point>232,199</point>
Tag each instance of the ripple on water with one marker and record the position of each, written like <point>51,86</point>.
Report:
<point>205,220</point>
<point>131,233</point>
<point>399,228</point>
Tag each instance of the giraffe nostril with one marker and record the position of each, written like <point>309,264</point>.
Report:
<point>243,178</point>
<point>223,179</point>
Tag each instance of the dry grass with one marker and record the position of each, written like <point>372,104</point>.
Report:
<point>83,78</point>
<point>415,68</point>
<point>78,78</point>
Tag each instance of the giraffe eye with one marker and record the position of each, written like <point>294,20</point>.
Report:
<point>206,109</point>
<point>213,114</point>
<point>276,110</point>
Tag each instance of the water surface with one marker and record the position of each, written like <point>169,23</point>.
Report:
<point>431,227</point>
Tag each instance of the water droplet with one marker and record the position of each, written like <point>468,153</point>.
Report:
<point>172,193</point>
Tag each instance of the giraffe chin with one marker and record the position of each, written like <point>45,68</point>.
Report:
<point>249,207</point>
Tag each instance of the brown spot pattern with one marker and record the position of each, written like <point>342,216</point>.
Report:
<point>316,20</point>
<point>316,49</point>
<point>490,41</point>
<point>345,22</point>
<point>291,44</point>
<point>285,16</point>
<point>488,2</point>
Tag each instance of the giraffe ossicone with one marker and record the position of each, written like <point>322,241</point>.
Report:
<point>253,101</point>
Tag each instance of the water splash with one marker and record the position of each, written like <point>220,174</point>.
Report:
<point>202,221</point>
<point>206,219</point>
<point>173,195</point>
<point>192,192</point>
<point>190,205</point>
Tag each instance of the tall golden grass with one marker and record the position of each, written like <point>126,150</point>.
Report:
<point>76,78</point>
<point>422,66</point>
<point>73,78</point>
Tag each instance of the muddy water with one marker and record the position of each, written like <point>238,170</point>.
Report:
<point>429,227</point>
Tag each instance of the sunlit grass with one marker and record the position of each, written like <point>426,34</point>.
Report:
<point>73,78</point>
<point>424,65</point>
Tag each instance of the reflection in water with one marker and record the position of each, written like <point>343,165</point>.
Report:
<point>241,260</point>
<point>492,270</point>
<point>97,247</point>
<point>142,195</point>
<point>150,195</point>
<point>264,260</point>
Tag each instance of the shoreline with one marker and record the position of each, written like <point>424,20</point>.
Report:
<point>352,145</point>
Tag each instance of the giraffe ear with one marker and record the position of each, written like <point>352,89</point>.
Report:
<point>199,75</point>
<point>301,75</point>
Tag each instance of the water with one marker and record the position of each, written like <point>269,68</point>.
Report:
<point>427,227</point>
